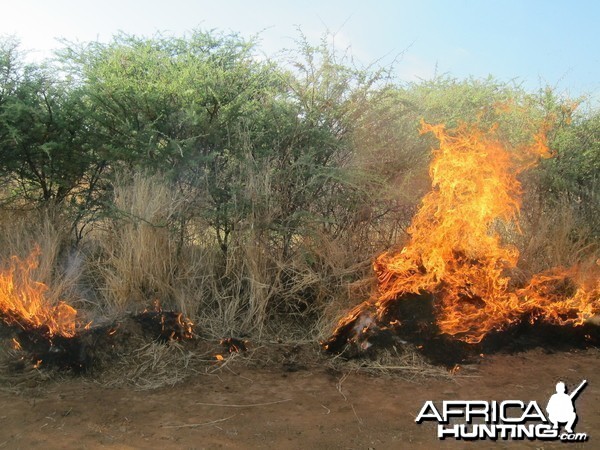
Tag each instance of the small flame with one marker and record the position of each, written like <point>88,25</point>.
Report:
<point>16,345</point>
<point>23,301</point>
<point>186,325</point>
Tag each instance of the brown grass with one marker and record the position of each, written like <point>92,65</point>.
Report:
<point>135,258</point>
<point>554,236</point>
<point>59,266</point>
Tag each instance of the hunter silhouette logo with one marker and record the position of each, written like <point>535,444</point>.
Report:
<point>508,419</point>
<point>560,406</point>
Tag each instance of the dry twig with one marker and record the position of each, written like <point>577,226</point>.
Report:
<point>194,425</point>
<point>244,406</point>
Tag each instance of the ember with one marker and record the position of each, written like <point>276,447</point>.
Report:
<point>455,264</point>
<point>165,325</point>
<point>234,345</point>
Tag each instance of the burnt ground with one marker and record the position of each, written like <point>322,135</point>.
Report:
<point>282,399</point>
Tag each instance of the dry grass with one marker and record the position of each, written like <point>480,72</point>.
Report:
<point>154,365</point>
<point>405,363</point>
<point>16,377</point>
<point>135,258</point>
<point>554,237</point>
<point>255,290</point>
<point>59,266</point>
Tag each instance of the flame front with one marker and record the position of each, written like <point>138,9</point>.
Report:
<point>456,253</point>
<point>23,301</point>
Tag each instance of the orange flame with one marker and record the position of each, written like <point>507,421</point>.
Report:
<point>455,253</point>
<point>23,301</point>
<point>15,344</point>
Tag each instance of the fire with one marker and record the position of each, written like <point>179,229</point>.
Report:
<point>174,326</point>
<point>23,301</point>
<point>16,345</point>
<point>456,253</point>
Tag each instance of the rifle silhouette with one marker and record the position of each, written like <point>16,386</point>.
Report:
<point>573,394</point>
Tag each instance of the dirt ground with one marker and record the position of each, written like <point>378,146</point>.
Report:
<point>271,407</point>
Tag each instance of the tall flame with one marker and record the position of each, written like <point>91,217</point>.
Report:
<point>455,252</point>
<point>24,302</point>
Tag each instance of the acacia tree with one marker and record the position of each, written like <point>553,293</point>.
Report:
<point>177,105</point>
<point>48,153</point>
<point>209,114</point>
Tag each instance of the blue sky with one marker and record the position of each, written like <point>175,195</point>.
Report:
<point>534,42</point>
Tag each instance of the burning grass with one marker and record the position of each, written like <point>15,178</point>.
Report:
<point>147,350</point>
<point>23,302</point>
<point>450,288</point>
<point>52,335</point>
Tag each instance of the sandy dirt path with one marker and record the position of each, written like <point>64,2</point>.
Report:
<point>271,408</point>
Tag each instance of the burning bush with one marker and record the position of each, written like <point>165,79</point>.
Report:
<point>455,254</point>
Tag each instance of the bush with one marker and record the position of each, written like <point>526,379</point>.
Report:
<point>252,194</point>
